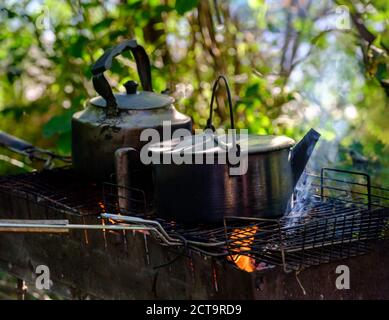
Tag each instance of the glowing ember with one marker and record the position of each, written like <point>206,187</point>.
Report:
<point>242,239</point>
<point>102,206</point>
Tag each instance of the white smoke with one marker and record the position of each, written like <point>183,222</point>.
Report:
<point>325,85</point>
<point>328,79</point>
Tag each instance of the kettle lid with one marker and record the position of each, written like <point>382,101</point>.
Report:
<point>145,100</point>
<point>113,102</point>
<point>265,143</point>
<point>206,143</point>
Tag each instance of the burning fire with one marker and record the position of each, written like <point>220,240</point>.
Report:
<point>103,209</point>
<point>242,239</point>
<point>102,206</point>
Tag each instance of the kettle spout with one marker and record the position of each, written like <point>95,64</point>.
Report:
<point>301,153</point>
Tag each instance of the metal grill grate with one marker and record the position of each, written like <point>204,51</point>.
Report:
<point>60,189</point>
<point>329,231</point>
<point>335,215</point>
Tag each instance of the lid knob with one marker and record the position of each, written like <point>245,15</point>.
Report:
<point>131,86</point>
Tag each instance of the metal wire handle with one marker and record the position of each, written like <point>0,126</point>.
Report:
<point>209,125</point>
<point>215,86</point>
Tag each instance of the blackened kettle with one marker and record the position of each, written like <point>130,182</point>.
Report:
<point>115,120</point>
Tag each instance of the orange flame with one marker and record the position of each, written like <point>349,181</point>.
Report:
<point>243,238</point>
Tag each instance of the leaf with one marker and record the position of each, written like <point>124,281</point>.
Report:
<point>135,5</point>
<point>88,5</point>
<point>64,143</point>
<point>183,6</point>
<point>162,8</point>
<point>78,47</point>
<point>58,124</point>
<point>253,90</point>
<point>382,72</point>
<point>104,24</point>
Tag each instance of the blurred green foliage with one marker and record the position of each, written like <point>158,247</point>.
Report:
<point>292,65</point>
<point>9,291</point>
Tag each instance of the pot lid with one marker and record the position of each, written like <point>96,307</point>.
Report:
<point>136,101</point>
<point>212,143</point>
<point>266,143</point>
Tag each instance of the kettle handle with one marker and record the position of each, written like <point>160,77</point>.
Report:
<point>209,121</point>
<point>215,86</point>
<point>104,63</point>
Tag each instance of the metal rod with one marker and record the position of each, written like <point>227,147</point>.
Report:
<point>367,177</point>
<point>160,228</point>
<point>132,219</point>
<point>44,227</point>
